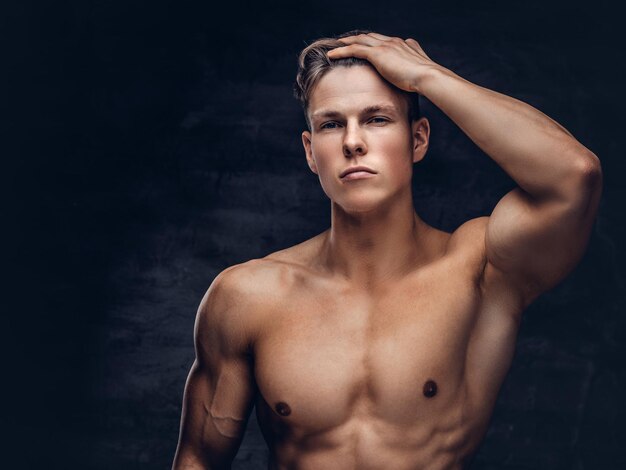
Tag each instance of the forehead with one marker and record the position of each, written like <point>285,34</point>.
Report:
<point>346,89</point>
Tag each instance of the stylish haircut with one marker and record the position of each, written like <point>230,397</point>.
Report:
<point>314,63</point>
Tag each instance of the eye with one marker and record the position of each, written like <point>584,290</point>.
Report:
<point>379,120</point>
<point>329,125</point>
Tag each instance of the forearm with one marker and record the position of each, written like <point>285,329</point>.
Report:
<point>192,458</point>
<point>539,154</point>
<point>189,465</point>
<point>189,458</point>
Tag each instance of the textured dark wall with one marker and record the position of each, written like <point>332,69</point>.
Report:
<point>162,145</point>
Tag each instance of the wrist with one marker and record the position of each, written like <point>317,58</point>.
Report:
<point>430,77</point>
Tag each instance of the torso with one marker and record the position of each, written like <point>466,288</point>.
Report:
<point>401,376</point>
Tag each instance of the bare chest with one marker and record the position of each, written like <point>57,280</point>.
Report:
<point>329,355</point>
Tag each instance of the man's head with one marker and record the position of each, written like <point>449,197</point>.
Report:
<point>314,63</point>
<point>357,118</point>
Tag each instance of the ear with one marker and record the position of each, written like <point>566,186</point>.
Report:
<point>306,142</point>
<point>420,131</point>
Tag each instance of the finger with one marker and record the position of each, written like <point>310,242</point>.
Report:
<point>353,50</point>
<point>361,39</point>
<point>416,46</point>
<point>382,37</point>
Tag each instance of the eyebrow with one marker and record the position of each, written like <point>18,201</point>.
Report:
<point>327,113</point>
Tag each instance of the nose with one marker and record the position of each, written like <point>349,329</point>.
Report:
<point>353,141</point>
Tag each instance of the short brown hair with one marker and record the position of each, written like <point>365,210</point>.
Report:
<point>314,63</point>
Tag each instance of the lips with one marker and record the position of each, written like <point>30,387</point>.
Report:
<point>353,169</point>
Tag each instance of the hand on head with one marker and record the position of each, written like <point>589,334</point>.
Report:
<point>401,62</point>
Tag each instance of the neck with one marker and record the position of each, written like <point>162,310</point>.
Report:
<point>380,245</point>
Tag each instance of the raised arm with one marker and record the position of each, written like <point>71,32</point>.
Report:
<point>219,390</point>
<point>538,231</point>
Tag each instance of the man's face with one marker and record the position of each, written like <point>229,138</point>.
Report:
<point>358,119</point>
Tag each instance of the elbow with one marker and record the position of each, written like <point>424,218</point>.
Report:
<point>584,194</point>
<point>589,171</point>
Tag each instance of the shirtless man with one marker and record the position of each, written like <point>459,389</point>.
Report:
<point>382,342</point>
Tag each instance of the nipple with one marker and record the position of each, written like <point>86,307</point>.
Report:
<point>430,389</point>
<point>283,409</point>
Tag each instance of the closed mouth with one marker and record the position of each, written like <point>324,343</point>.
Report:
<point>353,169</point>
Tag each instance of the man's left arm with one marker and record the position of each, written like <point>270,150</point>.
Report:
<point>537,232</point>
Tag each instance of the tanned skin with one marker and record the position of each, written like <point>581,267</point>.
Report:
<point>382,342</point>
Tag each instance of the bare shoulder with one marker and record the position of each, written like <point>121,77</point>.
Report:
<point>466,247</point>
<point>496,286</point>
<point>243,281</point>
<point>255,281</point>
<point>237,302</point>
<point>248,291</point>
<point>470,236</point>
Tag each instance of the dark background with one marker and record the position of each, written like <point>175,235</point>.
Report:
<point>152,144</point>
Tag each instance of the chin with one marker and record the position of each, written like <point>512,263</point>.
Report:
<point>359,204</point>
